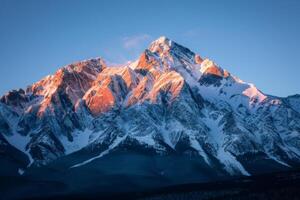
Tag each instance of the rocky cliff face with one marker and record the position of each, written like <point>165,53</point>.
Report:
<point>168,102</point>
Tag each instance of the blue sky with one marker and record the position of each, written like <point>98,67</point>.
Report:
<point>258,41</point>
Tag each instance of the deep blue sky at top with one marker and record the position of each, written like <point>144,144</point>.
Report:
<point>258,41</point>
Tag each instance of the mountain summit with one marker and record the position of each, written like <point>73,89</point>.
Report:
<point>170,117</point>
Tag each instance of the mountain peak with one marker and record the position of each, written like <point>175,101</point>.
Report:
<point>167,48</point>
<point>160,45</point>
<point>162,39</point>
<point>168,101</point>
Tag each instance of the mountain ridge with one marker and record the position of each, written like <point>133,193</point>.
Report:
<point>168,102</point>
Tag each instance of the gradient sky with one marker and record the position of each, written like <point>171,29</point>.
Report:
<point>258,41</point>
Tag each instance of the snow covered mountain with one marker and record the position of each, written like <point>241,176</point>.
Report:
<point>170,114</point>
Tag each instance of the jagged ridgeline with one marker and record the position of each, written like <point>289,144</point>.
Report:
<point>170,116</point>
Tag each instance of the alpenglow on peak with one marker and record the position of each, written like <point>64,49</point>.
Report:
<point>162,43</point>
<point>169,105</point>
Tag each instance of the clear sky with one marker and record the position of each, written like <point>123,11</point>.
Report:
<point>257,40</point>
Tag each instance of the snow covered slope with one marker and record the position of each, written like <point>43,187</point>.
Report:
<point>170,101</point>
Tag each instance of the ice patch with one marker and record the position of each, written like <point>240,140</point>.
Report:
<point>195,144</point>
<point>80,140</point>
<point>21,171</point>
<point>147,139</point>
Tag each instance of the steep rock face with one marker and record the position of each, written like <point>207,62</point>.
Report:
<point>110,89</point>
<point>15,99</point>
<point>50,105</point>
<point>170,102</point>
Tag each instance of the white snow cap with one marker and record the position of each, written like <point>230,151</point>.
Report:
<point>162,39</point>
<point>162,42</point>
